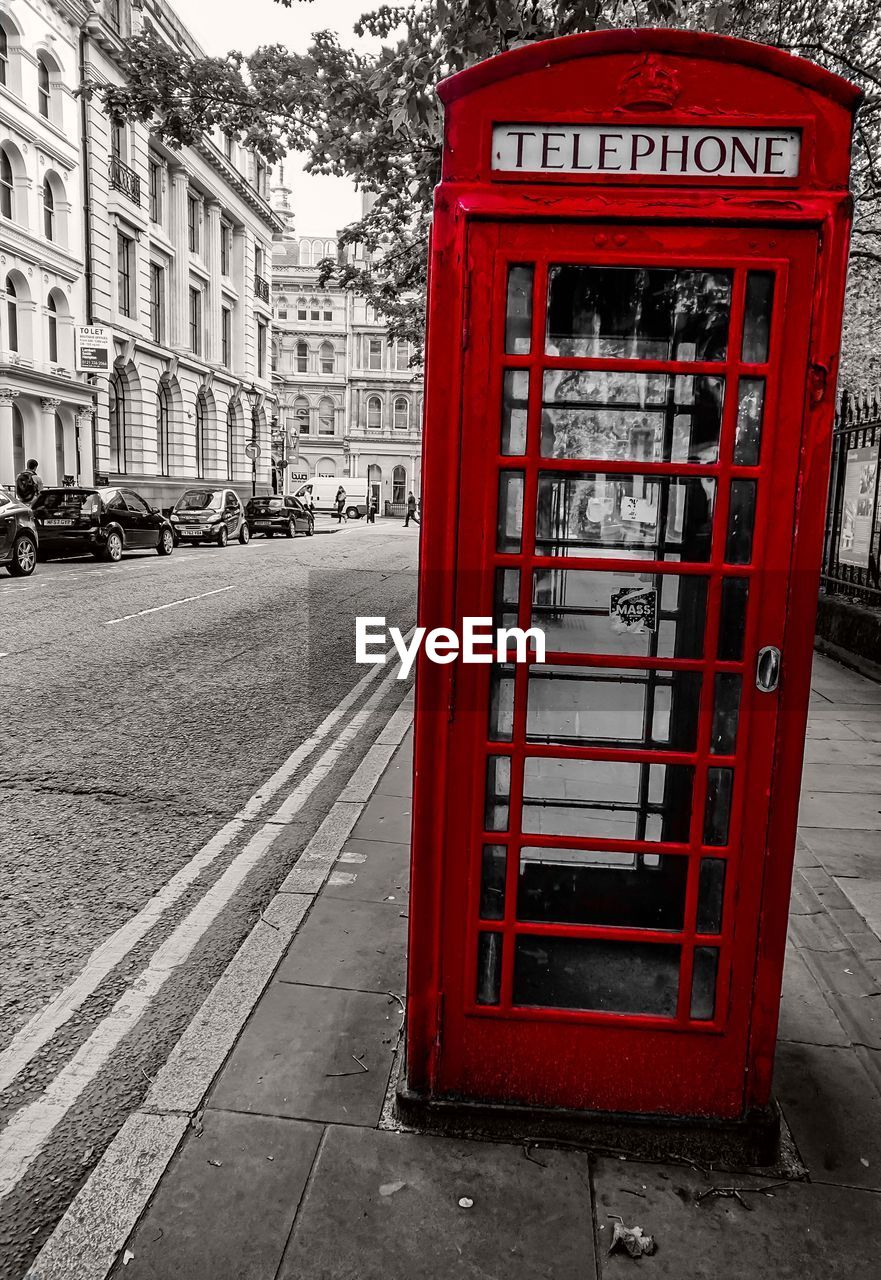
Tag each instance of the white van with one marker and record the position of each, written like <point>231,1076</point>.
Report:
<point>323,491</point>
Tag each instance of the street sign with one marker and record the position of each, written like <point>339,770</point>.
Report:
<point>281,464</point>
<point>94,348</point>
<point>252,450</point>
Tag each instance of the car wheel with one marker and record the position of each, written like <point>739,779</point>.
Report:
<point>352,513</point>
<point>166,542</point>
<point>291,529</point>
<point>244,535</point>
<point>24,557</point>
<point>113,547</point>
<point>269,533</point>
<point>223,536</point>
<point>311,529</point>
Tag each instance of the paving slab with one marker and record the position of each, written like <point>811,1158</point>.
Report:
<point>796,1232</point>
<point>805,1015</point>
<point>398,777</point>
<point>840,778</point>
<point>849,752</point>
<point>385,818</point>
<point>833,1111</point>
<point>860,812</point>
<point>348,943</point>
<point>225,1207</point>
<point>845,853</point>
<point>401,1219</point>
<point>830,729</point>
<point>866,898</point>
<point>295,1057</point>
<point>372,871</point>
<point>868,731</point>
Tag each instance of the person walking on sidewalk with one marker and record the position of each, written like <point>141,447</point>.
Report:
<point>27,483</point>
<point>411,509</point>
<point>372,505</point>
<point>341,505</point>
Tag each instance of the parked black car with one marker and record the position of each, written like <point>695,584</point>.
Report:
<point>278,514</point>
<point>18,535</point>
<point>106,522</point>
<point>209,515</point>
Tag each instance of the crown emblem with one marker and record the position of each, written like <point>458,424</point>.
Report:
<point>649,86</point>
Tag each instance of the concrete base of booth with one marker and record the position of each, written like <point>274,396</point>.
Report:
<point>760,1141</point>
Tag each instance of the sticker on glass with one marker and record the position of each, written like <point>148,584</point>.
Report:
<point>634,609</point>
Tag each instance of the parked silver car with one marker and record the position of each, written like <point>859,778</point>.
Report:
<point>209,515</point>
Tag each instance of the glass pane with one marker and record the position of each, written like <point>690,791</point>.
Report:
<point>498,792</point>
<point>577,886</point>
<point>726,706</point>
<point>489,967</point>
<point>591,973</point>
<point>748,436</point>
<point>607,799</point>
<point>703,983</point>
<point>506,597</point>
<point>757,316</point>
<point>634,517</point>
<point>717,813</point>
<point>492,882</point>
<point>518,312</point>
<point>741,519</point>
<point>501,704</point>
<point>638,313</point>
<point>578,705</point>
<point>732,621</point>
<point>510,523</point>
<point>711,891</point>
<point>515,400</point>
<point>637,417</point>
<point>640,614</point>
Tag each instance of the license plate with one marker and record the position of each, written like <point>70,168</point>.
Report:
<point>58,522</point>
<point>191,533</point>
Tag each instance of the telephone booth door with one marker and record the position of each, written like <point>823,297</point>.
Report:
<point>607,848</point>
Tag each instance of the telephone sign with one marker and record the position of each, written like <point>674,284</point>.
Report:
<point>642,238</point>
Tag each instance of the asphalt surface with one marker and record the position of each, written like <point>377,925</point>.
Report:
<point>143,704</point>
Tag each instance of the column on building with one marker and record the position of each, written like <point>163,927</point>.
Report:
<point>46,440</point>
<point>178,329</point>
<point>7,454</point>
<point>85,467</point>
<point>214,287</point>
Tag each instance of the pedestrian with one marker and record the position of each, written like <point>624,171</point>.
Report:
<point>411,509</point>
<point>341,505</point>
<point>27,483</point>
<point>372,505</point>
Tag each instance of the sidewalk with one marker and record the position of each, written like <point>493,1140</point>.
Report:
<point>287,1168</point>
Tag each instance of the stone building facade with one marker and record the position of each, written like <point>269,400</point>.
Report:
<point>45,409</point>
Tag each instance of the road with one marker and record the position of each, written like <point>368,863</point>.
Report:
<point>145,706</point>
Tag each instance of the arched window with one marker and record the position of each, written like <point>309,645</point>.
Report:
<point>7,187</point>
<point>52,322</point>
<point>17,440</point>
<point>4,54</point>
<point>44,87</point>
<point>374,413</point>
<point>305,253</point>
<point>301,413</point>
<point>282,308</point>
<point>117,424</point>
<point>201,421</point>
<point>326,357</point>
<point>230,440</point>
<point>325,467</point>
<point>325,416</point>
<point>402,354</point>
<point>163,418</point>
<point>59,449</point>
<point>48,210</point>
<point>399,485</point>
<point>11,315</point>
<point>302,358</point>
<point>402,413</point>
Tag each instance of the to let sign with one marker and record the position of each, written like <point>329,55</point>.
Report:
<point>94,348</point>
<point>649,149</point>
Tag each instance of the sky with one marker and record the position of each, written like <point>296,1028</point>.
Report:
<point>321,205</point>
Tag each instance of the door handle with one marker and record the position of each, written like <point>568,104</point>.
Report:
<point>768,669</point>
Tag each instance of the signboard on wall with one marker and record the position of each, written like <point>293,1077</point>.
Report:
<point>94,348</point>
<point>857,505</point>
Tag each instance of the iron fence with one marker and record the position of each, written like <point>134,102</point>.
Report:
<point>852,546</point>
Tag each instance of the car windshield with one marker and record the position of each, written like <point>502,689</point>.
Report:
<point>266,504</point>
<point>61,499</point>
<point>200,500</point>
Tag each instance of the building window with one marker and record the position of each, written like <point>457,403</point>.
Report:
<point>193,224</point>
<point>117,140</point>
<point>260,172</point>
<point>125,247</point>
<point>7,186</point>
<point>157,302</point>
<point>117,425</point>
<point>228,144</point>
<point>328,315</point>
<point>399,485</point>
<point>374,413</point>
<point>261,350</point>
<point>48,210</point>
<point>258,260</point>
<point>225,336</point>
<point>314,315</point>
<point>44,87</point>
<point>11,315</point>
<point>302,358</point>
<point>325,417</point>
<point>155,192</point>
<point>301,413</point>
<point>201,416</point>
<point>113,9</point>
<point>326,355</point>
<point>374,353</point>
<point>402,355</point>
<point>4,55</point>
<point>52,322</point>
<point>402,414</point>
<point>196,321</point>
<point>163,417</point>
<point>225,248</point>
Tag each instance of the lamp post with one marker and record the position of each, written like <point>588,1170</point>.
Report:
<point>252,395</point>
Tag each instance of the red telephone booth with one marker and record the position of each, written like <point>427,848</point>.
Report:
<point>637,274</point>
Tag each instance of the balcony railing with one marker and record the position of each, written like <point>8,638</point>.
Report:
<point>261,288</point>
<point>124,179</point>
